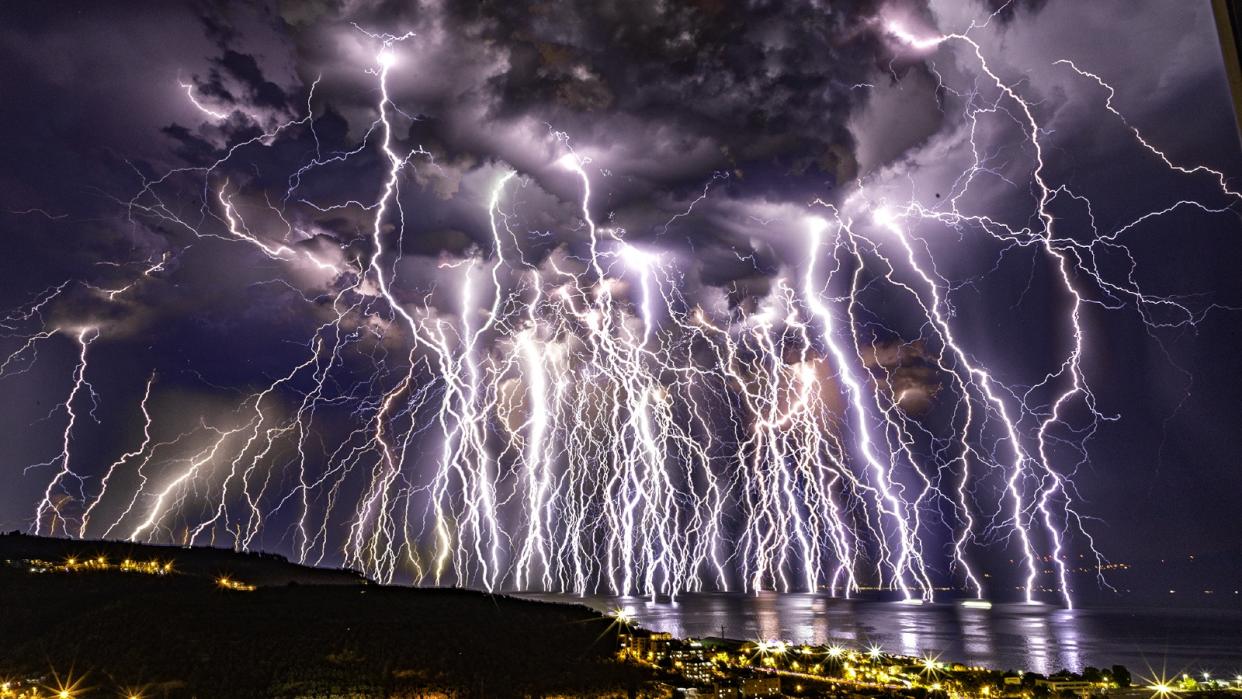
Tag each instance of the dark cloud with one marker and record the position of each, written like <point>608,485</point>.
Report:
<point>1007,10</point>
<point>245,69</point>
<point>909,373</point>
<point>760,80</point>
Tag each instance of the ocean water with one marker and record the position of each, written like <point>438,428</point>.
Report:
<point>1150,641</point>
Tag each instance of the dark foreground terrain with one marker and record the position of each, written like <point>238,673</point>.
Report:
<point>299,633</point>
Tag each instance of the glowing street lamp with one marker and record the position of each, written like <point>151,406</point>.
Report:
<point>1162,689</point>
<point>773,647</point>
<point>622,617</point>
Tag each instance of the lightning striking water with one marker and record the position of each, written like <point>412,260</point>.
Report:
<point>573,421</point>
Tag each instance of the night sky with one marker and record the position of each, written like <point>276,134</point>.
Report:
<point>135,133</point>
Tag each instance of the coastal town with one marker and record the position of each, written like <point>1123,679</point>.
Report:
<point>728,669</point>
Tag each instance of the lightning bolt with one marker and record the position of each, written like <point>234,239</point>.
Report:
<point>572,420</point>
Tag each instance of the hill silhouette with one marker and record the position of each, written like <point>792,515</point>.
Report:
<point>301,632</point>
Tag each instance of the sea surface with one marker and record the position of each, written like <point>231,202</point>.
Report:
<point>1150,641</point>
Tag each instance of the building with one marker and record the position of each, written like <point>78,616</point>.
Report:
<point>651,647</point>
<point>1058,685</point>
<point>690,659</point>
<point>1011,687</point>
<point>761,687</point>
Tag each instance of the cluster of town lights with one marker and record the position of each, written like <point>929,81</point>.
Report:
<point>227,583</point>
<point>699,662</point>
<point>14,690</point>
<point>74,564</point>
<point>67,688</point>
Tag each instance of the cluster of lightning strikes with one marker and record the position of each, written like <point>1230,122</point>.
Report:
<point>579,425</point>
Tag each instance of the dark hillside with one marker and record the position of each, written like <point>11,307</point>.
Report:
<point>181,635</point>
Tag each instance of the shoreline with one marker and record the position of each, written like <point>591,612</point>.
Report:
<point>1043,639</point>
